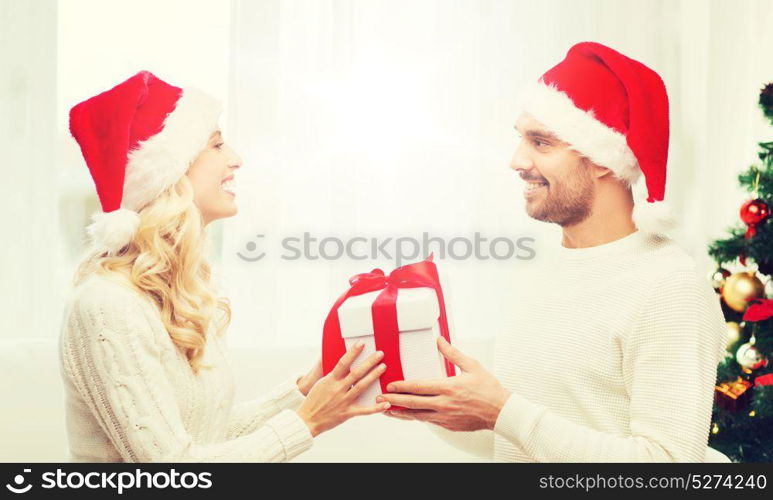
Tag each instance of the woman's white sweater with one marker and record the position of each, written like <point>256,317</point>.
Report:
<point>130,394</point>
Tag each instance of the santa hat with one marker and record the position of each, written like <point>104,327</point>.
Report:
<point>138,139</point>
<point>613,110</point>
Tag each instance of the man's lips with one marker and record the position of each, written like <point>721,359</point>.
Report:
<point>533,186</point>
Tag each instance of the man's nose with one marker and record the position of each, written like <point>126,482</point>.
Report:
<point>520,160</point>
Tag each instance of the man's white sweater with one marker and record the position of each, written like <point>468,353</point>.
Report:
<point>610,354</point>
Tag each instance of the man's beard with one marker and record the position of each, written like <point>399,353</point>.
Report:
<point>567,203</point>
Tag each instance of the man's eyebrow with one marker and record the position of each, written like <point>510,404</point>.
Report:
<point>541,134</point>
<point>538,134</point>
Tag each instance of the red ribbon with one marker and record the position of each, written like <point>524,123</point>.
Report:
<point>384,313</point>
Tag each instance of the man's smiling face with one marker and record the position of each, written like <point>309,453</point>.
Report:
<point>559,185</point>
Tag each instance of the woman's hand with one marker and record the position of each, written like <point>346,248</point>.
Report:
<point>306,382</point>
<point>332,400</point>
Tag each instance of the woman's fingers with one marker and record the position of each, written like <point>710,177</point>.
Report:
<point>362,369</point>
<point>368,379</point>
<point>341,369</point>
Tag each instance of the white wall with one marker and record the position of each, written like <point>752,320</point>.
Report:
<point>28,192</point>
<point>358,118</point>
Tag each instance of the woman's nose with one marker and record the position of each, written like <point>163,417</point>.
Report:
<point>235,160</point>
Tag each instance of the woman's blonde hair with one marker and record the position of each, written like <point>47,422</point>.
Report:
<point>166,259</point>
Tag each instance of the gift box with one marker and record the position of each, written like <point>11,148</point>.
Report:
<point>401,314</point>
<point>733,395</point>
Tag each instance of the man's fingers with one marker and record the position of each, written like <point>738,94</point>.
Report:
<point>454,355</point>
<point>398,415</point>
<point>342,367</point>
<point>424,387</point>
<point>422,415</point>
<point>358,411</point>
<point>362,369</point>
<point>410,401</point>
<point>368,379</point>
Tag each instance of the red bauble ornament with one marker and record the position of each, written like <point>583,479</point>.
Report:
<point>764,380</point>
<point>754,212</point>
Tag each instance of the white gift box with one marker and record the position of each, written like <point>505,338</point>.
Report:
<point>418,312</point>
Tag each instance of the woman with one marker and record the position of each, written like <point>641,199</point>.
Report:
<point>143,354</point>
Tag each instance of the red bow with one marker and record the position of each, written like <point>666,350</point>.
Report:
<point>384,312</point>
<point>763,380</point>
<point>760,310</point>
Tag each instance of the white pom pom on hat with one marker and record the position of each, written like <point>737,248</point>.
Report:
<point>614,110</point>
<point>111,231</point>
<point>137,139</point>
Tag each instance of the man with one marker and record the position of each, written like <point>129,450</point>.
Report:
<point>614,357</point>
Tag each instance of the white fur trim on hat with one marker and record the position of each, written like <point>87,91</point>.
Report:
<point>158,162</point>
<point>111,231</point>
<point>585,134</point>
<point>655,217</point>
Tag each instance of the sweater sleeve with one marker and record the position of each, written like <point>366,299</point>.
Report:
<point>117,366</point>
<point>669,366</point>
<point>247,416</point>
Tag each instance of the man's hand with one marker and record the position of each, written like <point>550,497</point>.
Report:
<point>469,401</point>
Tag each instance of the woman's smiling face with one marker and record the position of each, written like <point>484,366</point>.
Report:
<point>212,177</point>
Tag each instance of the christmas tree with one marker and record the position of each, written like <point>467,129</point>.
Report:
<point>742,419</point>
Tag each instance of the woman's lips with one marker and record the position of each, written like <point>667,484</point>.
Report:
<point>228,185</point>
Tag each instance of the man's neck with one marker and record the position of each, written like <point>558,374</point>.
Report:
<point>599,228</point>
<point>586,234</point>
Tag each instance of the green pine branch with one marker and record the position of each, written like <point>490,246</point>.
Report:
<point>746,434</point>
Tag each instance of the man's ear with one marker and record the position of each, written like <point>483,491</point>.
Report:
<point>598,171</point>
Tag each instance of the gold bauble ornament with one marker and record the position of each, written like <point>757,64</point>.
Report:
<point>739,288</point>
<point>733,334</point>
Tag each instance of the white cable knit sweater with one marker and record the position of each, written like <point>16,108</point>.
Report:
<point>130,394</point>
<point>610,354</point>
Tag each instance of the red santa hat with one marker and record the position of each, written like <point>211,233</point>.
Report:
<point>613,110</point>
<point>138,139</point>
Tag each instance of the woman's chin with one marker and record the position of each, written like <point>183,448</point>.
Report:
<point>223,212</point>
<point>232,210</point>
<point>229,208</point>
